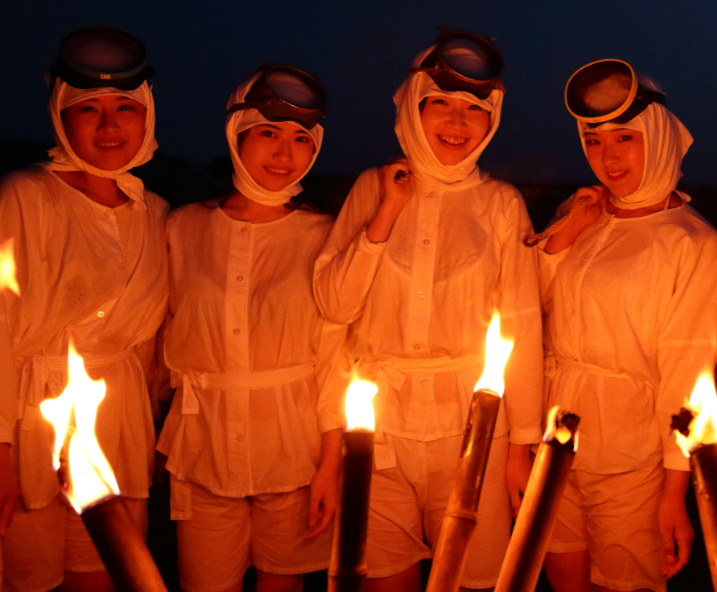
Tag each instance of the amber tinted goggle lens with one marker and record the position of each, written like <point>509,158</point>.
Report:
<point>101,56</point>
<point>463,61</point>
<point>285,93</point>
<point>608,91</point>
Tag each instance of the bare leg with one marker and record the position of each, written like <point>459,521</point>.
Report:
<point>569,572</point>
<point>268,582</point>
<point>93,581</point>
<point>406,581</point>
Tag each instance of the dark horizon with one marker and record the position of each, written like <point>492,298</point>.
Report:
<point>362,53</point>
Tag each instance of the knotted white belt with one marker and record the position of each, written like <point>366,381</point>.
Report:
<point>40,372</point>
<point>390,372</point>
<point>552,361</point>
<point>191,380</point>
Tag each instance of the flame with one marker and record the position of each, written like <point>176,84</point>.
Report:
<point>703,428</point>
<point>557,430</point>
<point>7,267</point>
<point>359,408</point>
<point>91,478</point>
<point>497,352</point>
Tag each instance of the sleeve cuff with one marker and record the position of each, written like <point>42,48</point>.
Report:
<point>369,247</point>
<point>331,422</point>
<point>526,436</point>
<point>5,435</point>
<point>676,461</point>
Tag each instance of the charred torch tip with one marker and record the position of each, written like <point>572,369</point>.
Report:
<point>681,422</point>
<point>562,426</point>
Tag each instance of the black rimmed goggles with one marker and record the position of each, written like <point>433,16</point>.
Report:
<point>608,91</point>
<point>285,93</point>
<point>96,57</point>
<point>463,61</point>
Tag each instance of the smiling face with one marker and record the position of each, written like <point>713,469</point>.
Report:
<point>105,131</point>
<point>617,157</point>
<point>276,154</point>
<point>453,127</point>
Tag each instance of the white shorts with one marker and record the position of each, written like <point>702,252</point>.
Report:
<point>225,535</point>
<point>409,500</point>
<point>615,518</point>
<point>42,544</point>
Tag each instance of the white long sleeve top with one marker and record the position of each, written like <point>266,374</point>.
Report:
<point>631,313</point>
<point>249,352</point>
<point>101,274</point>
<point>420,304</point>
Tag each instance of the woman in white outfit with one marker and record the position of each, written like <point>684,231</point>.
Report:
<point>91,262</point>
<point>417,267</point>
<point>629,292</point>
<point>253,435</point>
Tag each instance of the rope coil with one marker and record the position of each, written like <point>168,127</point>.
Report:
<point>533,239</point>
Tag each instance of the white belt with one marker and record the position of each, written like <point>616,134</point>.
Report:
<point>391,371</point>
<point>40,372</point>
<point>191,380</point>
<point>552,361</point>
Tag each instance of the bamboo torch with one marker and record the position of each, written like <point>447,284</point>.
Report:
<point>90,484</point>
<point>348,553</point>
<point>529,542</point>
<point>696,432</point>
<point>460,518</point>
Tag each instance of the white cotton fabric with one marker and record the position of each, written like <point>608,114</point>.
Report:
<point>101,274</point>
<point>242,309</point>
<point>666,143</point>
<point>631,323</point>
<point>419,305</point>
<point>421,158</point>
<point>63,158</point>
<point>242,120</point>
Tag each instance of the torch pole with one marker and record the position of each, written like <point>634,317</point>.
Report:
<point>529,541</point>
<point>703,462</point>
<point>348,554</point>
<point>121,547</point>
<point>460,518</point>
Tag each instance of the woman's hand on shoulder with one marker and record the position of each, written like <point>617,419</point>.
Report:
<point>581,217</point>
<point>395,192</point>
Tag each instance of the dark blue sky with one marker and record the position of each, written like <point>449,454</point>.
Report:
<point>361,50</point>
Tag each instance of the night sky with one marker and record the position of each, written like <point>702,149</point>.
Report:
<point>362,50</point>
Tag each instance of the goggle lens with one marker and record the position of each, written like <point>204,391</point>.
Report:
<point>284,93</point>
<point>608,90</point>
<point>102,56</point>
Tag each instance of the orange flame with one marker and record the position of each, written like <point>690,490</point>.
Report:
<point>359,407</point>
<point>703,428</point>
<point>91,478</point>
<point>559,432</point>
<point>497,352</point>
<point>7,267</point>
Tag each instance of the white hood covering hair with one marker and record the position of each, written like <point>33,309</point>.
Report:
<point>424,164</point>
<point>240,121</point>
<point>666,143</point>
<point>63,158</point>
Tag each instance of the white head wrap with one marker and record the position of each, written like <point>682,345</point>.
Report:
<point>242,120</point>
<point>666,143</point>
<point>63,158</point>
<point>423,162</point>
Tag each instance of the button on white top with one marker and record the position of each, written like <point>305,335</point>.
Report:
<point>100,313</point>
<point>416,346</point>
<point>421,294</point>
<point>243,230</point>
<point>240,278</point>
<point>424,381</point>
<point>235,331</point>
<point>426,241</point>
